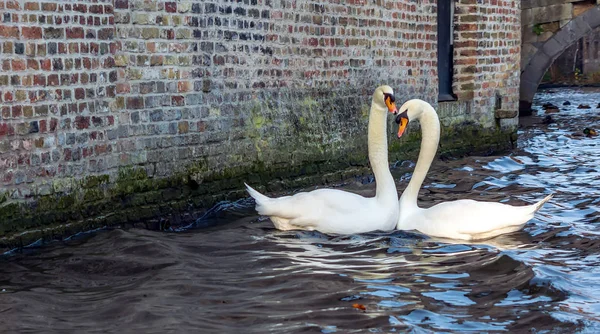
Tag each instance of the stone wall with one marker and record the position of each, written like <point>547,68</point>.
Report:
<point>542,19</point>
<point>578,64</point>
<point>127,110</point>
<point>591,56</point>
<point>487,50</point>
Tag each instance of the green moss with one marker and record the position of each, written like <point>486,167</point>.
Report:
<point>4,197</point>
<point>94,181</point>
<point>9,210</point>
<point>461,139</point>
<point>91,195</point>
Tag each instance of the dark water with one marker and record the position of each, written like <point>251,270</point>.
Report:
<point>245,277</point>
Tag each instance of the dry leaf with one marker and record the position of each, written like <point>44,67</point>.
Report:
<point>359,306</point>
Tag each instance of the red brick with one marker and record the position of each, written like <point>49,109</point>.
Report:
<point>46,64</point>
<point>9,31</point>
<point>171,7</point>
<point>39,80</point>
<point>13,4</point>
<point>17,111</point>
<point>177,100</point>
<point>67,154</point>
<point>79,93</point>
<point>31,32</point>
<point>32,64</point>
<point>100,149</point>
<point>82,122</point>
<point>201,126</point>
<point>43,126</point>
<point>33,6</point>
<point>75,32</point>
<point>123,88</point>
<point>184,86</point>
<point>53,80</point>
<point>49,7</point>
<point>96,9</point>
<point>5,129</point>
<point>135,103</point>
<point>18,65</point>
<point>81,8</point>
<point>53,124</point>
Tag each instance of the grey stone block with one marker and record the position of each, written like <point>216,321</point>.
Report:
<point>503,113</point>
<point>592,17</point>
<point>553,48</point>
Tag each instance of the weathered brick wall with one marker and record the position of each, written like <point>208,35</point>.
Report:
<point>273,81</point>
<point>56,85</point>
<point>487,46</point>
<point>129,109</point>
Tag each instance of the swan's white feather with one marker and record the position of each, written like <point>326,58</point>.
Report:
<point>326,210</point>
<point>467,219</point>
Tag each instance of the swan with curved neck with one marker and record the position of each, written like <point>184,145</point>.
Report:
<point>461,219</point>
<point>340,212</point>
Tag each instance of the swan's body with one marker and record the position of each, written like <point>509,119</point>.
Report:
<point>340,212</point>
<point>461,219</point>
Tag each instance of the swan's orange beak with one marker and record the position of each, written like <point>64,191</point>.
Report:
<point>402,121</point>
<point>391,105</point>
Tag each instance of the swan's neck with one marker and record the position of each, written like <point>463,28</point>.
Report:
<point>430,133</point>
<point>378,153</point>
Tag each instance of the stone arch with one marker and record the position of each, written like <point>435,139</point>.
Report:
<point>532,73</point>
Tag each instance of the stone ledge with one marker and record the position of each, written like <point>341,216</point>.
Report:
<point>503,113</point>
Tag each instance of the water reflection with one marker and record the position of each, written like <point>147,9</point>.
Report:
<point>232,272</point>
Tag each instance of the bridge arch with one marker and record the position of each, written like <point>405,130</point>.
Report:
<point>532,73</point>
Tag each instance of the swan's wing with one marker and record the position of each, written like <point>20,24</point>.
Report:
<point>473,217</point>
<point>315,204</point>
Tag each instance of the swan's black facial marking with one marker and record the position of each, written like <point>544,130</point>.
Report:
<point>402,115</point>
<point>390,102</point>
<point>402,121</point>
<point>389,96</point>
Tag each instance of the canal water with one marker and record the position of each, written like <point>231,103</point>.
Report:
<point>242,276</point>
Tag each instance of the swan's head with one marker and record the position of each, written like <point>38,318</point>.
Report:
<point>411,109</point>
<point>384,96</point>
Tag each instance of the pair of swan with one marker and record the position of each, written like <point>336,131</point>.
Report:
<point>339,212</point>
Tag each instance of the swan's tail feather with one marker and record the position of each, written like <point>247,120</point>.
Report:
<point>258,197</point>
<point>537,206</point>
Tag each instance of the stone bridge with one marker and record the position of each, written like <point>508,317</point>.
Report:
<point>548,28</point>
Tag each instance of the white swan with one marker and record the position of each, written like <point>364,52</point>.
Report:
<point>461,219</point>
<point>336,211</point>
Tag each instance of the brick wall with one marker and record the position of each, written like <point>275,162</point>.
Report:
<point>233,83</point>
<point>118,111</point>
<point>129,109</point>
<point>56,84</point>
<point>487,46</point>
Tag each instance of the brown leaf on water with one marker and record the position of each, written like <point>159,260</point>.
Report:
<point>360,307</point>
<point>519,161</point>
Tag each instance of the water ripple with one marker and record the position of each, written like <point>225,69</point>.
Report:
<point>232,272</point>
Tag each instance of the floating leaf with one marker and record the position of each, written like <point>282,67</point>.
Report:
<point>359,306</point>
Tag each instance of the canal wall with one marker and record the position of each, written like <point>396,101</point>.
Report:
<point>123,111</point>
